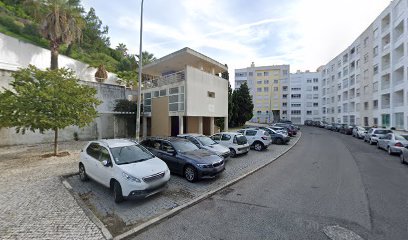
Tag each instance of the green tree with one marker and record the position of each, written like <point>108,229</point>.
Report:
<point>122,49</point>
<point>47,100</point>
<point>146,58</point>
<point>60,23</point>
<point>242,105</point>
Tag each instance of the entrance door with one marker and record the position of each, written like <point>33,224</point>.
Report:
<point>175,126</point>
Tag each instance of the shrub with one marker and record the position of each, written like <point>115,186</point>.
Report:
<point>11,24</point>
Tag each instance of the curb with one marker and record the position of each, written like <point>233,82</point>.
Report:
<point>87,211</point>
<point>154,221</point>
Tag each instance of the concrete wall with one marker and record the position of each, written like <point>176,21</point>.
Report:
<point>160,117</point>
<point>16,54</point>
<point>198,103</point>
<point>192,125</point>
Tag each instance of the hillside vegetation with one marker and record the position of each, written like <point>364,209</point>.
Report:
<point>17,19</point>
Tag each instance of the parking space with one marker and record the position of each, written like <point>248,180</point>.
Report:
<point>120,217</point>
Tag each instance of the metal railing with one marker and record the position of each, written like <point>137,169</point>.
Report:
<point>164,80</point>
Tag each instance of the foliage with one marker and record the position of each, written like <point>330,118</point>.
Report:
<point>46,100</point>
<point>128,78</point>
<point>242,106</point>
<point>124,105</point>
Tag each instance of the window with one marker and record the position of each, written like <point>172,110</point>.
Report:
<point>284,104</point>
<point>375,87</point>
<point>266,81</point>
<point>216,137</point>
<point>295,96</point>
<point>266,89</point>
<point>250,133</point>
<point>259,82</point>
<point>275,81</point>
<point>309,80</point>
<point>259,74</point>
<point>315,104</point>
<point>315,88</point>
<point>375,69</point>
<point>93,150</point>
<point>365,105</point>
<point>284,96</point>
<point>366,58</point>
<point>211,94</point>
<point>296,104</point>
<point>163,92</point>
<point>275,89</point>
<point>259,89</point>
<point>375,33</point>
<point>295,89</point>
<point>225,137</point>
<point>285,88</point>
<point>375,104</point>
<point>308,112</point>
<point>295,112</point>
<point>375,51</point>
<point>309,88</point>
<point>266,74</point>
<point>105,156</point>
<point>309,104</point>
<point>315,80</point>
<point>365,41</point>
<point>284,72</point>
<point>250,74</point>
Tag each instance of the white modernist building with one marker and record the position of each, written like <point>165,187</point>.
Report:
<point>305,97</point>
<point>367,83</point>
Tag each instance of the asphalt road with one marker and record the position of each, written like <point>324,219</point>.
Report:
<point>327,179</point>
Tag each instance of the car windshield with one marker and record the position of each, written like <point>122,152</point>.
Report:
<point>184,146</point>
<point>130,154</point>
<point>241,139</point>
<point>206,141</point>
<point>383,131</point>
<point>401,137</point>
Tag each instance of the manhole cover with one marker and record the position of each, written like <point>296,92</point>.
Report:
<point>340,233</point>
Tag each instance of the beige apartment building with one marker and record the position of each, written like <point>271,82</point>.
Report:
<point>184,93</point>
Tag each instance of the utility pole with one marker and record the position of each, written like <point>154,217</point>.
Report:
<point>139,94</point>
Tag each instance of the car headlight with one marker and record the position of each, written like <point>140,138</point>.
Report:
<point>130,178</point>
<point>204,165</point>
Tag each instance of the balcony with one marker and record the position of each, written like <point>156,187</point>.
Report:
<point>385,82</point>
<point>398,76</point>
<point>398,98</point>
<point>385,101</point>
<point>385,62</point>
<point>164,80</point>
<point>386,40</point>
<point>385,23</point>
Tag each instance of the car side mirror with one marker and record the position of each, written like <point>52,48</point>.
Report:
<point>106,163</point>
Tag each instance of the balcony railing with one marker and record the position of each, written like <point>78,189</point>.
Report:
<point>164,80</point>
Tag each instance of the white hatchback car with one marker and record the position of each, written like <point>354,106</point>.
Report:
<point>257,138</point>
<point>236,142</point>
<point>126,167</point>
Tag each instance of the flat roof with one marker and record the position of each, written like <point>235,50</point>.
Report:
<point>178,60</point>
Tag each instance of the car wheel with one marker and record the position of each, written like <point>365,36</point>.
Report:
<point>371,142</point>
<point>233,153</point>
<point>82,173</point>
<point>190,173</point>
<point>117,192</point>
<point>279,141</point>
<point>402,158</point>
<point>258,146</point>
<point>389,151</point>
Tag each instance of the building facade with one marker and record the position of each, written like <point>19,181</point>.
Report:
<point>367,83</point>
<point>305,97</point>
<point>184,94</point>
<point>269,88</point>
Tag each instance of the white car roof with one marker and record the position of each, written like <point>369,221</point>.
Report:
<point>232,133</point>
<point>113,143</point>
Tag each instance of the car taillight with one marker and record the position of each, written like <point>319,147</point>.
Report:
<point>398,144</point>
<point>264,138</point>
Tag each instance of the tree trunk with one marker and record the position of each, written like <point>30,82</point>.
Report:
<point>55,141</point>
<point>54,56</point>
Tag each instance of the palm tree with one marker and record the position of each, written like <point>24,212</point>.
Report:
<point>122,49</point>
<point>60,23</point>
<point>147,58</point>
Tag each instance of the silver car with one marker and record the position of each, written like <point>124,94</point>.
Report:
<point>374,133</point>
<point>393,143</point>
<point>404,155</point>
<point>359,132</point>
<point>205,142</point>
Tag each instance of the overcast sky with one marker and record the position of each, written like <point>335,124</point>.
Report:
<point>302,33</point>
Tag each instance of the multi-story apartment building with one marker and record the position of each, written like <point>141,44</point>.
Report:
<point>305,99</point>
<point>367,83</point>
<point>269,88</point>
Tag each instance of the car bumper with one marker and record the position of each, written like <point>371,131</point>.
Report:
<point>374,139</point>
<point>396,149</point>
<point>241,150</point>
<point>141,194</point>
<point>210,172</point>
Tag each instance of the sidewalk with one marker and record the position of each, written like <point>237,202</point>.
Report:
<point>34,203</point>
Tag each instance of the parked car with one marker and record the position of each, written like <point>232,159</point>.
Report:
<point>205,142</point>
<point>359,132</point>
<point>236,142</point>
<point>277,137</point>
<point>393,143</point>
<point>331,126</point>
<point>279,129</point>
<point>346,129</point>
<point>185,158</point>
<point>374,133</point>
<point>404,155</point>
<point>285,121</point>
<point>124,166</point>
<point>308,123</point>
<point>292,131</point>
<point>257,138</point>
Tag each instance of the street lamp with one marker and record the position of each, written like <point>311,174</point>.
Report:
<point>139,94</point>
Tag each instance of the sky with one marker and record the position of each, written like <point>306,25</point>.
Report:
<point>303,33</point>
